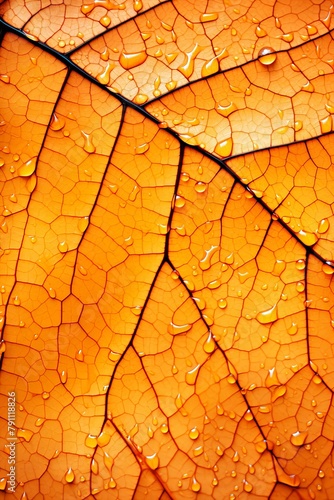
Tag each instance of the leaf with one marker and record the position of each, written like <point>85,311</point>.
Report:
<point>167,250</point>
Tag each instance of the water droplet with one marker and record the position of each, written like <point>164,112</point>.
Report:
<point>205,262</point>
<point>28,168</point>
<point>195,485</point>
<point>298,438</point>
<point>152,461</point>
<point>63,247</point>
<point>57,123</point>
<point>16,301</point>
<point>104,76</point>
<point>268,316</point>
<point>179,202</point>
<point>247,486</point>
<point>129,61</point>
<point>209,344</point>
<point>311,30</point>
<point>300,287</point>
<point>69,476</point>
<point>308,87</point>
<point>164,428</point>
<point>224,148</point>
<point>79,355</point>
<point>287,37</point>
<point>191,376</point>
<point>260,32</point>
<point>208,17</point>
<point>94,466</point>
<point>25,434</point>
<point>4,78</point>
<point>231,379</point>
<point>178,401</point>
<point>326,124</point>
<point>271,378</point>
<point>187,68</point>
<point>261,446</point>
<point>298,125</point>
<point>88,144</point>
<point>200,187</point>
<point>91,441</point>
<point>323,226</point>
<point>112,483</point>
<point>267,56</point>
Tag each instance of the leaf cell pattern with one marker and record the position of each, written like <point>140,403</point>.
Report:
<point>167,305</point>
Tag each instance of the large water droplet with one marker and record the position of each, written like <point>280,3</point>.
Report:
<point>129,61</point>
<point>28,168</point>
<point>268,316</point>
<point>298,438</point>
<point>267,56</point>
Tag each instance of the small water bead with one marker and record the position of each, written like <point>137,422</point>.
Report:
<point>323,226</point>
<point>5,78</point>
<point>209,345</point>
<point>193,433</point>
<point>25,434</point>
<point>300,287</point>
<point>247,486</point>
<point>63,377</point>
<point>200,187</point>
<point>222,303</point>
<point>57,123</point>
<point>79,355</point>
<point>105,21</point>
<point>179,201</point>
<point>287,37</point>
<point>63,247</point>
<point>94,467</point>
<point>69,476</point>
<point>16,301</point>
<point>328,268</point>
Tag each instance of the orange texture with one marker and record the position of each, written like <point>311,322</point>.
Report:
<point>166,239</point>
